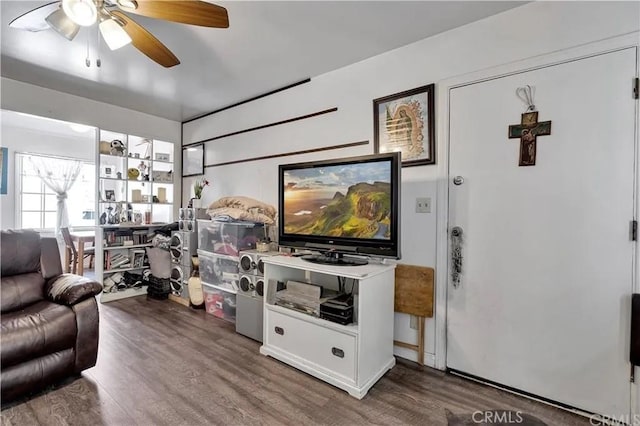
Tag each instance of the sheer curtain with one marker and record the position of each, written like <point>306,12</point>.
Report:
<point>59,176</point>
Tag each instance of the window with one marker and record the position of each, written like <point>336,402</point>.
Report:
<point>36,204</point>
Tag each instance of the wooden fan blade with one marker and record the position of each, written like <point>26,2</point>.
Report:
<point>184,11</point>
<point>33,20</point>
<point>145,42</point>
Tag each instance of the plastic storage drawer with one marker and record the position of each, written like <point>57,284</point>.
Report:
<point>229,238</point>
<point>219,303</point>
<point>219,270</point>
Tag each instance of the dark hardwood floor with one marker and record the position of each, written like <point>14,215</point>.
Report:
<point>161,363</point>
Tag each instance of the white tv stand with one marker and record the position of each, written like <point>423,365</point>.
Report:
<point>351,357</point>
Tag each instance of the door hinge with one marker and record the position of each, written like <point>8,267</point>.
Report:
<point>634,230</point>
<point>636,88</point>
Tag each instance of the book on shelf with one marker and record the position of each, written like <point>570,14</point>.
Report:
<point>126,237</point>
<point>117,260</point>
<point>123,266</point>
<point>132,258</point>
<point>141,236</point>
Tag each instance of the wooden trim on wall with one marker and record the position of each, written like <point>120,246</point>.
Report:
<point>288,154</point>
<point>307,80</point>
<point>264,126</point>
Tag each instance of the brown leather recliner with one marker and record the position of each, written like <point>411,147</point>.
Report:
<point>49,319</point>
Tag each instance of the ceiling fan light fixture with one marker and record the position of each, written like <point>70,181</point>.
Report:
<point>128,4</point>
<point>114,35</point>
<point>64,26</point>
<point>82,12</point>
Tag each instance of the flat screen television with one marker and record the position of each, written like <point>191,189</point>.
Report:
<point>342,206</point>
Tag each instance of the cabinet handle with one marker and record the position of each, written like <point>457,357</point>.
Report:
<point>337,352</point>
<point>280,331</point>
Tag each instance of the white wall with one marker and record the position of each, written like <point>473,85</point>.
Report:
<point>22,97</point>
<point>18,139</point>
<point>28,98</point>
<point>528,31</point>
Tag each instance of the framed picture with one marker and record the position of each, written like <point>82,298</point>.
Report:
<point>137,256</point>
<point>161,156</point>
<point>160,176</point>
<point>193,160</point>
<point>405,122</point>
<point>4,163</point>
<point>109,195</point>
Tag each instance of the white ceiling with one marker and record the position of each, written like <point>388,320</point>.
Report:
<point>268,45</point>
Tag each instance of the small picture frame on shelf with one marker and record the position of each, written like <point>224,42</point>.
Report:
<point>107,171</point>
<point>162,176</point>
<point>162,156</point>
<point>136,196</point>
<point>145,198</point>
<point>162,195</point>
<point>109,195</point>
<point>137,218</point>
<point>137,258</point>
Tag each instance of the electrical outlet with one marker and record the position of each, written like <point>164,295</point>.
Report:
<point>423,205</point>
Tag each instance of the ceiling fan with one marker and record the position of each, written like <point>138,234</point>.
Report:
<point>117,28</point>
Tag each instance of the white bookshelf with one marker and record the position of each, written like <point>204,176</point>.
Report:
<point>139,181</point>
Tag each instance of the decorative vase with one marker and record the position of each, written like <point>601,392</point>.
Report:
<point>197,203</point>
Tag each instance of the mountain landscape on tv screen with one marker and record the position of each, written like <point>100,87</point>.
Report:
<point>339,201</point>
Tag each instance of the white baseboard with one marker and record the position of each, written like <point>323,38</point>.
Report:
<point>408,354</point>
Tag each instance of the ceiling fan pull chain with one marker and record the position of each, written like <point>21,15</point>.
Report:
<point>98,61</point>
<point>87,61</point>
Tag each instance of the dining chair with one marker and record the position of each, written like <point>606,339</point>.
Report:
<point>72,252</point>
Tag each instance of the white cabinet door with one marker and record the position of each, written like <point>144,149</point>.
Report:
<point>543,304</point>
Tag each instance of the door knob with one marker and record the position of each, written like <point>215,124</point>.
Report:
<point>458,180</point>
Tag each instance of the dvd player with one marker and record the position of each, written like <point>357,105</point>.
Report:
<point>339,309</point>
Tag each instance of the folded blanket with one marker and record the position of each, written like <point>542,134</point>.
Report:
<point>243,208</point>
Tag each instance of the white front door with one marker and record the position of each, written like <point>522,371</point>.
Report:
<point>543,302</point>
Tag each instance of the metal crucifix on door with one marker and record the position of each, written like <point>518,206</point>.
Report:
<point>528,130</point>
